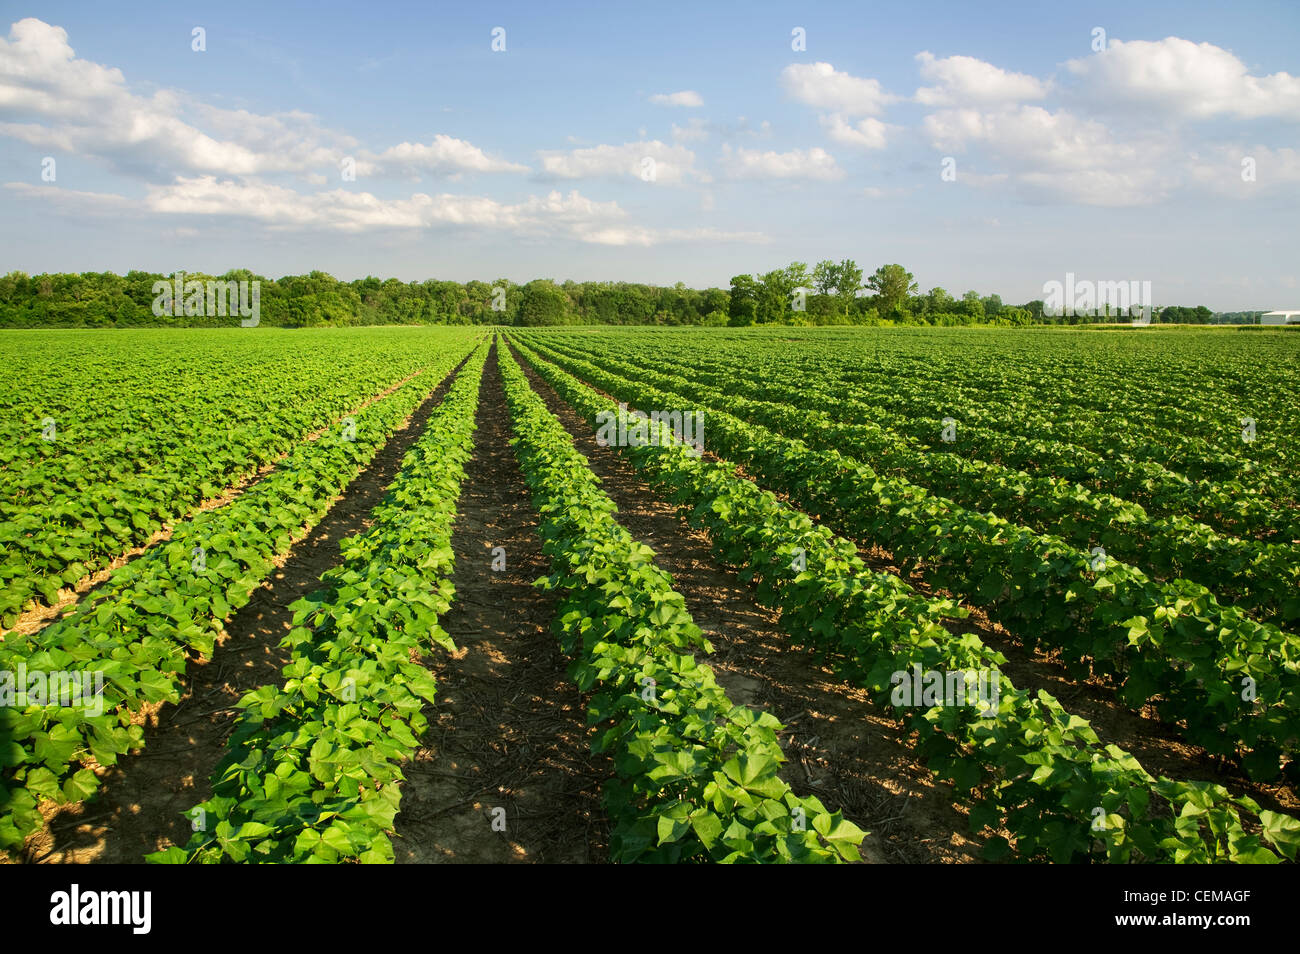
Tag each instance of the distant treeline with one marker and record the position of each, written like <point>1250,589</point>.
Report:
<point>108,300</point>
<point>830,293</point>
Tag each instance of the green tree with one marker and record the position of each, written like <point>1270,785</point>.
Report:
<point>776,294</point>
<point>743,307</point>
<point>972,306</point>
<point>839,282</point>
<point>713,299</point>
<point>937,301</point>
<point>542,303</point>
<point>891,284</point>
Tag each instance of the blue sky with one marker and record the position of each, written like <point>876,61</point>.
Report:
<point>661,143</point>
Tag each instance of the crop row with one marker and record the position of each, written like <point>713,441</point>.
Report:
<point>312,771</point>
<point>696,775</point>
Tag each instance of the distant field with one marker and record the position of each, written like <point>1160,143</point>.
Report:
<point>897,594</point>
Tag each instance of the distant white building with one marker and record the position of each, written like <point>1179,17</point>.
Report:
<point>1280,318</point>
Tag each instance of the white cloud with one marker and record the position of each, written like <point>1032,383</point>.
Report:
<point>1186,79</point>
<point>1124,140</point>
<point>852,103</point>
<point>814,163</point>
<point>1058,154</point>
<point>651,161</point>
<point>446,155</point>
<point>687,97</point>
<point>821,86</point>
<point>341,210</point>
<point>964,80</point>
<point>697,129</point>
<point>39,68</point>
<point>866,133</point>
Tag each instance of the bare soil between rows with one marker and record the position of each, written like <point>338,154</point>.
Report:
<point>505,773</point>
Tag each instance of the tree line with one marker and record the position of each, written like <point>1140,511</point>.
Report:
<point>836,293</point>
<point>108,300</point>
<point>829,293</point>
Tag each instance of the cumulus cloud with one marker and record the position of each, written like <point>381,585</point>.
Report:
<point>687,97</point>
<point>964,80</point>
<point>1057,153</point>
<point>869,133</point>
<point>821,86</point>
<point>446,155</point>
<point>1185,79</point>
<point>1124,141</point>
<point>51,99</point>
<point>813,164</point>
<point>853,103</point>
